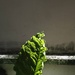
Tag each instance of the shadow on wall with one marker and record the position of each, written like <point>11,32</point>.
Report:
<point>7,69</point>
<point>62,49</point>
<point>11,47</point>
<point>2,71</point>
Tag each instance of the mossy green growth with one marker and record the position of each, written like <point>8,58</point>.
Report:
<point>31,56</point>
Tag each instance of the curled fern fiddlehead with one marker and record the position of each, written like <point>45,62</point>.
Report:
<point>31,56</point>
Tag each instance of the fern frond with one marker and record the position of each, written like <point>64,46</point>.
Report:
<point>31,56</point>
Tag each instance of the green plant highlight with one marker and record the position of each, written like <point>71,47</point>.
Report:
<point>31,56</point>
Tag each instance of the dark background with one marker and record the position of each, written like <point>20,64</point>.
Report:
<point>20,19</point>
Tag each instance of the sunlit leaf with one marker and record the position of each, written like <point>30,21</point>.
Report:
<point>31,56</point>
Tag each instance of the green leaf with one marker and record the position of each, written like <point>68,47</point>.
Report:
<point>31,56</point>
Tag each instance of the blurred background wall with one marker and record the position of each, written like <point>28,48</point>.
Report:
<point>48,69</point>
<point>20,19</point>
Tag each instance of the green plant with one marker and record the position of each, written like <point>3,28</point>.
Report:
<point>31,56</point>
